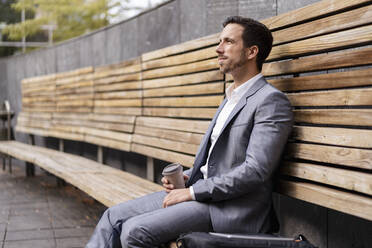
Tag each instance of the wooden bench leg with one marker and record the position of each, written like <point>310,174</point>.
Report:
<point>30,169</point>
<point>4,165</point>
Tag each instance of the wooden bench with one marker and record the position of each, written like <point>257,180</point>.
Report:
<point>321,59</point>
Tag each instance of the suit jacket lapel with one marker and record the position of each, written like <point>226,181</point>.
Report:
<point>243,101</point>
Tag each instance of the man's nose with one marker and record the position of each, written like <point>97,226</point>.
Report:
<point>219,49</point>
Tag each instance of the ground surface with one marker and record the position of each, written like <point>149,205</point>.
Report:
<point>36,213</point>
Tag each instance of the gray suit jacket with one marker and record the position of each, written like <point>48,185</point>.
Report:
<point>247,152</point>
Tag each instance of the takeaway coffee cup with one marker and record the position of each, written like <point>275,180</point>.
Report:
<point>174,174</point>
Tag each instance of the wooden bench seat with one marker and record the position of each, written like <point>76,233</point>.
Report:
<point>107,185</point>
<point>160,105</point>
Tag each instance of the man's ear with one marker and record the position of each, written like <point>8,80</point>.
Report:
<point>252,52</point>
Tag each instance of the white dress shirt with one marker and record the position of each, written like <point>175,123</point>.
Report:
<point>233,97</point>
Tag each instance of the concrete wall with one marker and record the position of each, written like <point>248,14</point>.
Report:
<point>172,23</point>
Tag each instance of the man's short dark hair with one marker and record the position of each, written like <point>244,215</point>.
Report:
<point>255,33</point>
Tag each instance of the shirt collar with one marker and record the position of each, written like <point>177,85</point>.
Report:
<point>243,88</point>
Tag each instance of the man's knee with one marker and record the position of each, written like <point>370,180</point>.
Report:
<point>136,235</point>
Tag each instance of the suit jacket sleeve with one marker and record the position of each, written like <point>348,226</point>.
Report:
<point>273,120</point>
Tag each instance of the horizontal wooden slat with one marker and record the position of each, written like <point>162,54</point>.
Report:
<point>113,118</point>
<point>118,86</point>
<point>359,138</point>
<point>346,179</point>
<point>115,144</point>
<point>351,117</point>
<point>74,109</point>
<point>37,115</point>
<point>322,43</point>
<point>79,71</point>
<point>199,113</point>
<point>357,158</point>
<point>195,101</point>
<point>119,94</point>
<point>309,12</point>
<point>184,58</point>
<point>30,130</point>
<point>194,78</point>
<point>99,125</point>
<point>74,85</point>
<point>108,134</point>
<point>181,69</point>
<point>199,89</point>
<point>117,71</point>
<point>118,79</point>
<point>174,124</point>
<point>118,103</point>
<point>333,60</point>
<point>83,103</point>
<point>342,201</point>
<point>179,48</point>
<point>186,137</point>
<point>348,97</point>
<point>325,81</point>
<point>172,157</point>
<point>61,98</point>
<point>329,24</point>
<point>165,144</point>
<point>118,110</point>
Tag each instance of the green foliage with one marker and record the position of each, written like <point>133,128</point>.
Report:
<point>71,17</point>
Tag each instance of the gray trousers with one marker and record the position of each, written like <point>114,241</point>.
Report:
<point>143,222</point>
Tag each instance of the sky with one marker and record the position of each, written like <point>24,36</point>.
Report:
<point>131,8</point>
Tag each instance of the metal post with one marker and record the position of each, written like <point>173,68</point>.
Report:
<point>61,145</point>
<point>150,169</point>
<point>23,17</point>
<point>100,154</point>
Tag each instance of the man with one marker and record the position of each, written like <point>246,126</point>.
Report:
<point>229,187</point>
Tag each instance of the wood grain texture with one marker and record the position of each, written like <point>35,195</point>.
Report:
<point>166,144</point>
<point>348,97</point>
<point>195,101</point>
<point>350,117</point>
<point>194,78</point>
<point>345,202</point>
<point>309,12</point>
<point>181,69</point>
<point>184,58</point>
<point>323,43</point>
<point>332,60</point>
<point>325,81</point>
<point>197,113</point>
<point>183,47</point>
<point>174,124</point>
<point>345,156</point>
<point>89,176</point>
<point>359,138</point>
<point>199,89</point>
<point>341,21</point>
<point>172,157</point>
<point>186,137</point>
<point>346,179</point>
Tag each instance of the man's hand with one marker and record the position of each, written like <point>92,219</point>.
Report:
<point>168,186</point>
<point>176,196</point>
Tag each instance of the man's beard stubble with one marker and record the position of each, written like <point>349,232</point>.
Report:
<point>242,61</point>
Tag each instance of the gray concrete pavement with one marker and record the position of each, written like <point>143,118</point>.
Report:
<point>36,213</point>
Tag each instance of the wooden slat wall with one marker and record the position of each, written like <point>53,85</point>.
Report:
<point>321,59</point>
<point>182,88</point>
<point>38,103</point>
